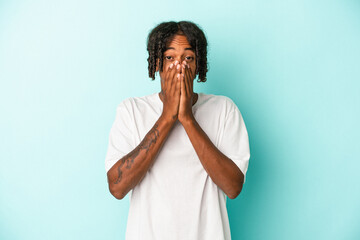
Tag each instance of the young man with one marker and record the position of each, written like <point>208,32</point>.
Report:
<point>180,153</point>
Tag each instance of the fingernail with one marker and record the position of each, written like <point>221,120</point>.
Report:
<point>171,65</point>
<point>176,62</point>
<point>178,67</point>
<point>178,75</point>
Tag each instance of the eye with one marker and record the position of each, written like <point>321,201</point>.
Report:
<point>168,57</point>
<point>189,58</point>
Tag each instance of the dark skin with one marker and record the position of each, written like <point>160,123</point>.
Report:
<point>181,96</point>
<point>178,98</point>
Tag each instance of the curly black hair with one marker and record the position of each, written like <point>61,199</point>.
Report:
<point>163,32</point>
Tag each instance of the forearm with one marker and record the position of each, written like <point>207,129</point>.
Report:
<point>221,169</point>
<point>127,172</point>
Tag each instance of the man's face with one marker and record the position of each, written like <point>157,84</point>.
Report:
<point>179,49</point>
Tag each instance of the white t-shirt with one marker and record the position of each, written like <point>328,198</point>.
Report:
<point>177,199</point>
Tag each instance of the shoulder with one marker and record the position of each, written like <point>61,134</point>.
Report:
<point>220,102</point>
<point>131,102</point>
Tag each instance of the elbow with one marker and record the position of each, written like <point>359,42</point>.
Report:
<point>116,191</point>
<point>234,194</point>
<point>236,190</point>
<point>118,195</point>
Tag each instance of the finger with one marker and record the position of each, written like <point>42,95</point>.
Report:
<point>184,77</point>
<point>184,81</point>
<point>168,73</point>
<point>190,73</point>
<point>175,78</point>
<point>178,80</point>
<point>191,79</point>
<point>171,77</point>
<point>188,80</point>
<point>183,89</point>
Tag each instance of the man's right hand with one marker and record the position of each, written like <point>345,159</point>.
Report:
<point>170,91</point>
<point>128,171</point>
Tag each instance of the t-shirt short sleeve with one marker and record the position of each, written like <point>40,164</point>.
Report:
<point>235,142</point>
<point>120,137</point>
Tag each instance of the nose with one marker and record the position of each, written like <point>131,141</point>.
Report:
<point>180,61</point>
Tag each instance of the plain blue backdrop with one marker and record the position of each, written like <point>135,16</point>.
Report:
<point>292,68</point>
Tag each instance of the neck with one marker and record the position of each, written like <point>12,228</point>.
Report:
<point>195,97</point>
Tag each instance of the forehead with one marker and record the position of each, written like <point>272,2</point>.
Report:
<point>178,41</point>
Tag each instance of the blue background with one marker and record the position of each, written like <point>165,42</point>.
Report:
<point>292,68</point>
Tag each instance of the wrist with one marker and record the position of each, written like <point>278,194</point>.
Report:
<point>190,120</point>
<point>169,120</point>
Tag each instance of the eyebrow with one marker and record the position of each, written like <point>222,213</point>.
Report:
<point>174,48</point>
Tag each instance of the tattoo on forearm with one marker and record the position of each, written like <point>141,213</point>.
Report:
<point>146,143</point>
